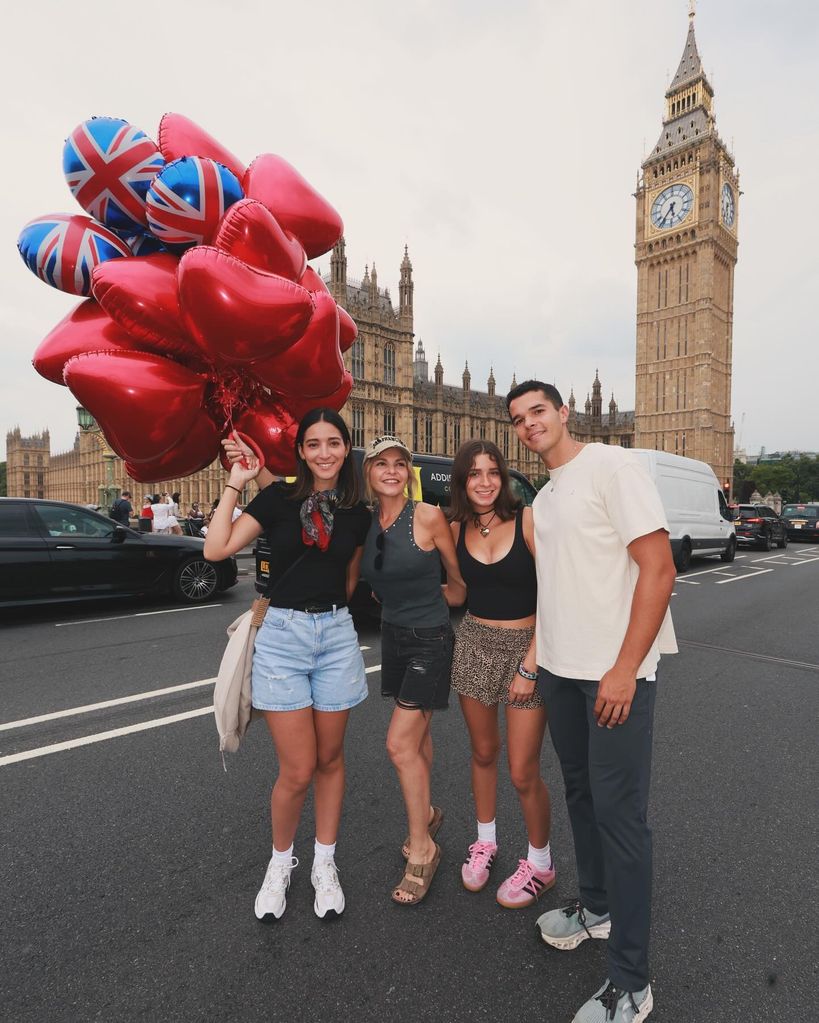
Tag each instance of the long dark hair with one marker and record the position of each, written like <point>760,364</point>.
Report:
<point>349,486</point>
<point>460,510</point>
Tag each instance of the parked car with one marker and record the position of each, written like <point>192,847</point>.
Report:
<point>801,521</point>
<point>758,525</point>
<point>53,551</point>
<point>434,473</point>
<point>699,520</point>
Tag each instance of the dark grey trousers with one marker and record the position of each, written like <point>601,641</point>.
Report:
<point>607,773</point>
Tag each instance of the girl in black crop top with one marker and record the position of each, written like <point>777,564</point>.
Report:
<point>308,671</point>
<point>494,663</point>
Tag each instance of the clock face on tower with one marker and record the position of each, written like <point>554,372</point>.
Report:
<point>727,205</point>
<point>672,206</point>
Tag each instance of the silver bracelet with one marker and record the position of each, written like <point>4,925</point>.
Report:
<point>530,675</point>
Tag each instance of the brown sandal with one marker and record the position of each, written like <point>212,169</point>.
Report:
<point>434,828</point>
<point>417,890</point>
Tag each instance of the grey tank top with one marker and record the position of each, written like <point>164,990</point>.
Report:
<point>408,583</point>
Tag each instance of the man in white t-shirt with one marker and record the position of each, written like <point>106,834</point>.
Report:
<point>605,576</point>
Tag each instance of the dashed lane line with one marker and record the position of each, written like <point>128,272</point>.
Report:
<point>136,614</point>
<point>115,733</point>
<point>750,575</point>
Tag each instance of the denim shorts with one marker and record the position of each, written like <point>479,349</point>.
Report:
<point>307,660</point>
<point>416,665</point>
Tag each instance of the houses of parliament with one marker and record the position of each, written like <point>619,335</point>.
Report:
<point>685,252</point>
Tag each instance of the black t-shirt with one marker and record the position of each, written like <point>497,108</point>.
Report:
<point>321,576</point>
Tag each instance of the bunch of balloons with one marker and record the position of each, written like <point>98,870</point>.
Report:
<point>202,315</point>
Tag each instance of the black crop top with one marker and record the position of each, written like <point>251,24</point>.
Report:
<point>321,577</point>
<point>505,590</point>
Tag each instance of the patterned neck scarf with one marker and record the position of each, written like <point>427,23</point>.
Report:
<point>317,518</point>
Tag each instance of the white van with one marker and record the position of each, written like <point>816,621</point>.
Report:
<point>699,519</point>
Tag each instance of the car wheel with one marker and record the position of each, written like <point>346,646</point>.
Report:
<point>783,543</point>
<point>767,542</point>
<point>195,580</point>
<point>682,561</point>
<point>730,551</point>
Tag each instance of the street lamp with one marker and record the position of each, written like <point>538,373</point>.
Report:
<point>84,418</point>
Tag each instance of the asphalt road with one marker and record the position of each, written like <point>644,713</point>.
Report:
<point>129,864</point>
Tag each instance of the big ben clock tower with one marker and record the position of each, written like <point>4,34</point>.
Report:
<point>686,250</point>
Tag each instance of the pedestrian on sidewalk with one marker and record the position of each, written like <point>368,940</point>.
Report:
<point>308,671</point>
<point>494,664</point>
<point>605,576</point>
<point>146,515</point>
<point>122,509</point>
<point>407,545</point>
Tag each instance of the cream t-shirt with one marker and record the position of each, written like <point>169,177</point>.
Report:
<point>585,517</point>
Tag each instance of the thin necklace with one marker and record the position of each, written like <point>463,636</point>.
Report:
<point>483,527</point>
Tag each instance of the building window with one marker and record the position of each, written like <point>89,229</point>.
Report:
<point>358,359</point>
<point>389,421</point>
<point>39,460</point>
<point>658,341</point>
<point>389,363</point>
<point>26,460</point>
<point>428,435</point>
<point>506,443</point>
<point>625,442</point>
<point>456,434</point>
<point>358,426</point>
<point>415,433</point>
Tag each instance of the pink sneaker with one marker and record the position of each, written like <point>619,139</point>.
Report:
<point>525,886</point>
<point>475,872</point>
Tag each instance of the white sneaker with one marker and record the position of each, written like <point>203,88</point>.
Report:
<point>272,898</point>
<point>329,896</point>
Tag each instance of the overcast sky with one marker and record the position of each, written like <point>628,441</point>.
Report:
<point>501,142</point>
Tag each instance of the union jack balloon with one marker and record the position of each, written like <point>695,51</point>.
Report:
<point>63,250</point>
<point>189,198</point>
<point>109,165</point>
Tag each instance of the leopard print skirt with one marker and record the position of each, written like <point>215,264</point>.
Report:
<point>486,659</point>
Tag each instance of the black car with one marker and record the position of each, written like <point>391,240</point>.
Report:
<point>760,526</point>
<point>802,520</point>
<point>53,551</point>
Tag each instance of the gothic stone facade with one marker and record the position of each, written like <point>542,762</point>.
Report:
<point>686,250</point>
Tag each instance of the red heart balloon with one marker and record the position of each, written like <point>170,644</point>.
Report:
<point>140,295</point>
<point>274,430</point>
<point>294,202</point>
<point>301,406</point>
<point>87,328</point>
<point>313,365</point>
<point>144,404</point>
<point>250,232</point>
<point>235,312</point>
<point>195,451</point>
<point>180,136</point>
<point>312,281</point>
<point>347,329</point>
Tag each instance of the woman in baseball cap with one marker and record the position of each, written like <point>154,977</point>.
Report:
<point>408,544</point>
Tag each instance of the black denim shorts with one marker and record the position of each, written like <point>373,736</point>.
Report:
<point>416,665</point>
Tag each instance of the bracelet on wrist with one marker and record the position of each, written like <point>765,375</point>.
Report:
<point>229,486</point>
<point>530,675</point>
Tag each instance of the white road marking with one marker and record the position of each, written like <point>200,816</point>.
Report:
<point>749,575</point>
<point>771,557</point>
<point>89,707</point>
<point>87,740</point>
<point>137,614</point>
<point>689,581</point>
<point>363,648</point>
<point>115,733</point>
<point>705,571</point>
<point>805,561</point>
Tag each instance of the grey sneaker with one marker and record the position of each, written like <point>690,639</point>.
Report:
<point>610,1005</point>
<point>566,928</point>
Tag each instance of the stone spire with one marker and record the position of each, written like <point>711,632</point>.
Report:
<point>588,405</point>
<point>467,378</point>
<point>338,267</point>
<point>490,383</point>
<point>373,284</point>
<point>420,366</point>
<point>690,67</point>
<point>514,382</point>
<point>597,397</point>
<point>439,372</point>
<point>572,400</point>
<point>405,290</point>
<point>612,410</point>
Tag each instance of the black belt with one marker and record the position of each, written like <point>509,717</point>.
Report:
<point>318,609</point>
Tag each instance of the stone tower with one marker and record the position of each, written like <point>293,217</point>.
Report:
<point>27,464</point>
<point>686,249</point>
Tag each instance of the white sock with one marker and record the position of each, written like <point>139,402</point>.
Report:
<point>324,852</point>
<point>541,859</point>
<point>283,857</point>
<point>487,832</point>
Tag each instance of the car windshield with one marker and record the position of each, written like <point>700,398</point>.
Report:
<point>800,511</point>
<point>747,513</point>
